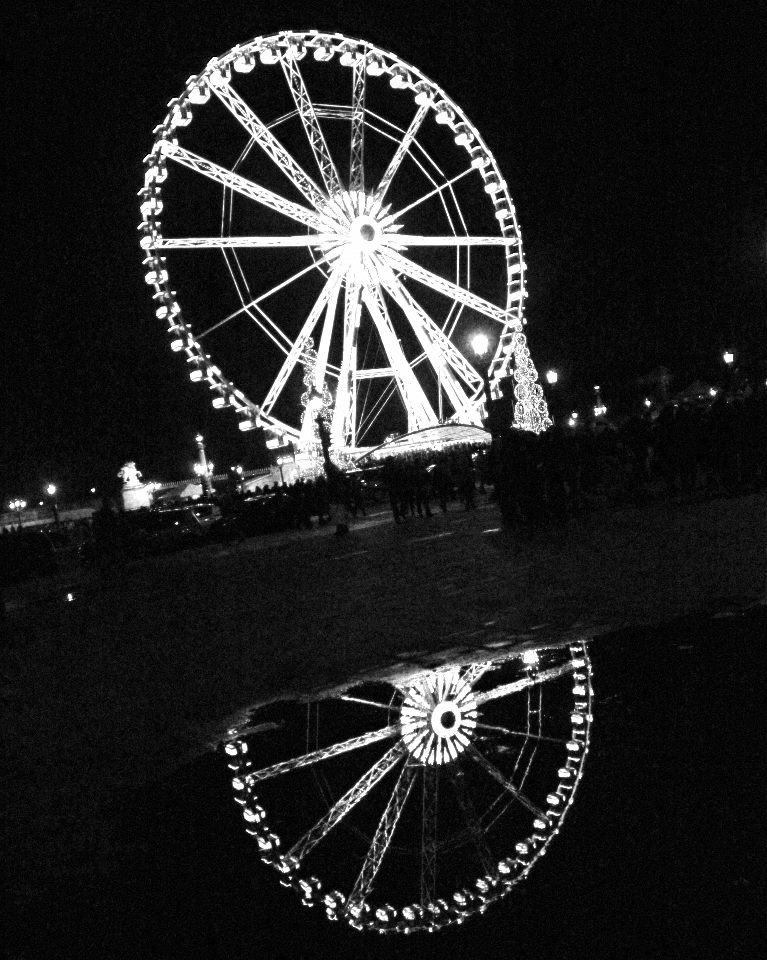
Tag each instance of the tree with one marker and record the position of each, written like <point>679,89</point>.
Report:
<point>315,404</point>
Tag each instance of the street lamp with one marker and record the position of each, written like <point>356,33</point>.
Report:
<point>51,492</point>
<point>551,377</point>
<point>202,468</point>
<point>18,506</point>
<point>480,344</point>
<point>729,357</point>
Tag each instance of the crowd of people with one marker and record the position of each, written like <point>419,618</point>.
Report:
<point>689,449</point>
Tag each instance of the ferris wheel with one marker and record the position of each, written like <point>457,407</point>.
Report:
<point>332,218</point>
<point>410,804</point>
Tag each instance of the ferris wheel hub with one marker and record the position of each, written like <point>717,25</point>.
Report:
<point>364,231</point>
<point>438,717</point>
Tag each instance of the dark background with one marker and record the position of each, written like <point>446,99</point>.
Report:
<point>632,137</point>
<point>659,858</point>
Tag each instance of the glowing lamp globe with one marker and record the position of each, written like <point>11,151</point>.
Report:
<point>480,344</point>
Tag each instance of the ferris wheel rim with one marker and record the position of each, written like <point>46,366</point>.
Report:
<point>317,216</point>
<point>404,766</point>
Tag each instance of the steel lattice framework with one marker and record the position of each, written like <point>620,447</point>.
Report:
<point>486,769</point>
<point>398,206</point>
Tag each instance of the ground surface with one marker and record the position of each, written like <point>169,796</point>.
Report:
<point>114,811</point>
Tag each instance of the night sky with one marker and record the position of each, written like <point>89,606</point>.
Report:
<point>632,137</point>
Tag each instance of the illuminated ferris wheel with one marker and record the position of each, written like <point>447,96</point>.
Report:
<point>412,804</point>
<point>332,218</point>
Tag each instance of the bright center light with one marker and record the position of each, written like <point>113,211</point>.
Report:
<point>439,715</point>
<point>363,231</point>
<point>552,376</point>
<point>50,489</point>
<point>444,719</point>
<point>479,344</point>
<point>728,356</point>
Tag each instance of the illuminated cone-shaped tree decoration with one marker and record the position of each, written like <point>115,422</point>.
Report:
<point>316,400</point>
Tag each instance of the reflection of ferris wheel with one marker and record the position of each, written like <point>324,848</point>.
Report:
<point>331,202</point>
<point>413,804</point>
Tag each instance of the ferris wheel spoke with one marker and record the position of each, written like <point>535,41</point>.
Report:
<point>429,833</point>
<point>321,365</point>
<point>382,837</point>
<point>357,151</point>
<point>277,426</point>
<point>401,151</point>
<point>324,753</point>
<point>415,400</point>
<point>533,680</point>
<point>449,289</point>
<point>504,781</point>
<point>378,408</point>
<point>319,240</point>
<point>452,240</point>
<point>344,804</point>
<point>390,218</point>
<point>524,734</point>
<point>333,281</point>
<point>367,703</point>
<point>444,358</point>
<point>264,137</point>
<point>246,307</point>
<point>474,671</point>
<point>247,188</point>
<point>311,124</point>
<point>473,825</point>
<point>343,426</point>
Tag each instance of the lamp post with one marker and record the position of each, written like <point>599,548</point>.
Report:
<point>236,472</point>
<point>480,345</point>
<point>18,506</point>
<point>205,469</point>
<point>50,490</point>
<point>599,407</point>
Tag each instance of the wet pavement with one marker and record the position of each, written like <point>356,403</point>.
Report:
<point>660,855</point>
